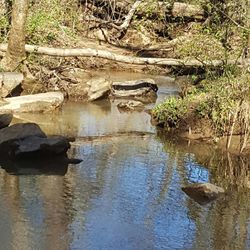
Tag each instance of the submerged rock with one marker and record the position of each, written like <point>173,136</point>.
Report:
<point>33,103</point>
<point>143,90</point>
<point>203,193</point>
<point>130,105</point>
<point>5,120</point>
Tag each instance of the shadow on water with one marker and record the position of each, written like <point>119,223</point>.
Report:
<point>50,166</point>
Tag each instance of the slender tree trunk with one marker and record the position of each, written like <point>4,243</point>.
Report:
<point>16,45</point>
<point>248,26</point>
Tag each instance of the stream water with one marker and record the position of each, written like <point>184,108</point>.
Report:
<point>126,193</point>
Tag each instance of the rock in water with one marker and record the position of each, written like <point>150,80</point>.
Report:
<point>130,105</point>
<point>203,193</point>
<point>43,102</point>
<point>98,88</point>
<point>37,146</point>
<point>27,139</point>
<point>5,120</point>
<point>143,90</point>
<point>18,132</point>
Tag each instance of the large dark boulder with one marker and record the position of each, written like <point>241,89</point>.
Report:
<point>28,140</point>
<point>37,146</point>
<point>20,131</point>
<point>10,135</point>
<point>203,193</point>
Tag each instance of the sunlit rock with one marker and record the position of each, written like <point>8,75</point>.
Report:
<point>203,193</point>
<point>43,102</point>
<point>9,82</point>
<point>98,88</point>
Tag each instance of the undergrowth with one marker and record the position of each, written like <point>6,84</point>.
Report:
<point>224,102</point>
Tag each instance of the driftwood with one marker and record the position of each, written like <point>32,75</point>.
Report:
<point>88,52</point>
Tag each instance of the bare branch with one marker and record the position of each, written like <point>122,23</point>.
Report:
<point>88,52</point>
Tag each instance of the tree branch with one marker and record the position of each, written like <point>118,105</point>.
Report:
<point>88,52</point>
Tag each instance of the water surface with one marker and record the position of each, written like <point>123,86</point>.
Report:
<point>126,194</point>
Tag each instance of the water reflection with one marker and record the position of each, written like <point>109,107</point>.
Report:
<point>89,119</point>
<point>125,194</point>
<point>49,166</point>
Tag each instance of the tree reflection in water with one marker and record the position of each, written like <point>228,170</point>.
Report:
<point>127,194</point>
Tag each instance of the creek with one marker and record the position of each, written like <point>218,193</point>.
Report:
<point>126,193</point>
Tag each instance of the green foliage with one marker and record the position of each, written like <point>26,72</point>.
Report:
<point>54,26</point>
<point>224,98</point>
<point>200,47</point>
<point>4,26</point>
<point>170,112</point>
<point>220,101</point>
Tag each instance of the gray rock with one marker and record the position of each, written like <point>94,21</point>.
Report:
<point>9,81</point>
<point>203,193</point>
<point>43,102</point>
<point>5,120</point>
<point>78,92</point>
<point>37,146</point>
<point>98,88</point>
<point>143,90</point>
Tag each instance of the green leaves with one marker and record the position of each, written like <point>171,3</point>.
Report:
<point>170,112</point>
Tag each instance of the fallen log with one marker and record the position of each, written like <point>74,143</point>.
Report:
<point>105,54</point>
<point>188,10</point>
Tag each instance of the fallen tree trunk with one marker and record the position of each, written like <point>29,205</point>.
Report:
<point>188,10</point>
<point>88,52</point>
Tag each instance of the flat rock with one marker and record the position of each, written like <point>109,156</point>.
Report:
<point>43,102</point>
<point>5,120</point>
<point>143,90</point>
<point>130,105</point>
<point>203,193</point>
<point>98,88</point>
<point>9,81</point>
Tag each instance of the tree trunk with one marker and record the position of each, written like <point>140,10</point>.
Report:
<point>16,45</point>
<point>248,26</point>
